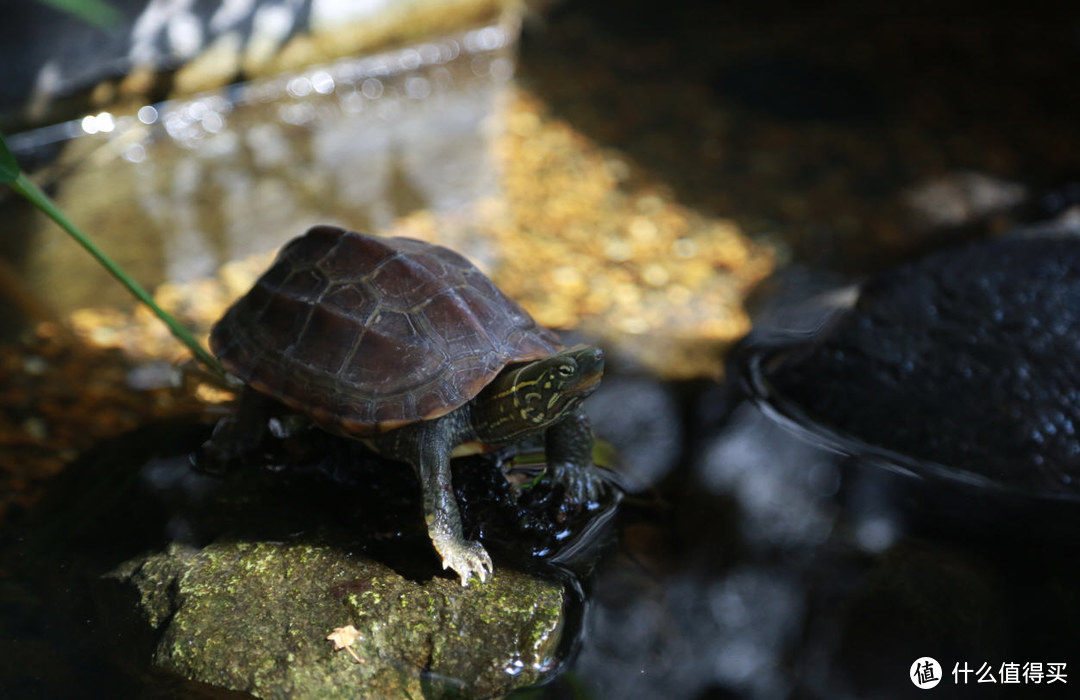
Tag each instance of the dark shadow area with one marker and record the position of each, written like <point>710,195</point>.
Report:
<point>807,122</point>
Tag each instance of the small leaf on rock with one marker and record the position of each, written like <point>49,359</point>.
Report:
<point>343,638</point>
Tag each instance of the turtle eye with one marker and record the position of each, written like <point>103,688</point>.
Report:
<point>566,371</point>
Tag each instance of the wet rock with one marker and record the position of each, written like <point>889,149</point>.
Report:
<point>235,580</point>
<point>254,616</point>
<point>968,359</point>
<point>1053,210</point>
<point>958,200</point>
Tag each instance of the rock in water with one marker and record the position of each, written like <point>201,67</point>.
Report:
<point>969,359</point>
<point>255,616</point>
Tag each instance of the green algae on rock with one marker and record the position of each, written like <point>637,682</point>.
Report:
<point>239,615</point>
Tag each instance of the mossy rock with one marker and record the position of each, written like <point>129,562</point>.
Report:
<point>254,616</point>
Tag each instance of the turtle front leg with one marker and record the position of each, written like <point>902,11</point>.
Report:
<point>568,446</point>
<point>432,463</point>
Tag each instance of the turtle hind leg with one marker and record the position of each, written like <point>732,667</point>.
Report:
<point>568,447</point>
<point>238,436</point>
<point>428,449</point>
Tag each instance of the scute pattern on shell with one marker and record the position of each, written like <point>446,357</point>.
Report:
<point>367,334</point>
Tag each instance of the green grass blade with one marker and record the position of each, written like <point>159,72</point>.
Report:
<point>9,167</point>
<point>94,12</point>
<point>10,173</point>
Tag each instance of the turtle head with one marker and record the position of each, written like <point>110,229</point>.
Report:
<point>534,395</point>
<point>545,390</point>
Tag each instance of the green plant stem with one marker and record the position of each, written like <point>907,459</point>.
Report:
<point>32,192</point>
<point>95,12</point>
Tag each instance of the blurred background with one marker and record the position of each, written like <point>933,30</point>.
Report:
<point>660,179</point>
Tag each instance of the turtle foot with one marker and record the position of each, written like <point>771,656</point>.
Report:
<point>465,558</point>
<point>583,484</point>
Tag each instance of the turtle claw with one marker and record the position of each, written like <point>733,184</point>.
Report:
<point>582,484</point>
<point>466,558</point>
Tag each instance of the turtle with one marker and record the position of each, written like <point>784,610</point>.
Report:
<point>408,347</point>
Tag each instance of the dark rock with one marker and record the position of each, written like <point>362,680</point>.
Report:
<point>968,359</point>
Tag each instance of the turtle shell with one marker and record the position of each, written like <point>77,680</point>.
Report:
<point>368,334</point>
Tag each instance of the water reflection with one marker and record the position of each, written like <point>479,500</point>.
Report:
<point>774,567</point>
<point>239,171</point>
<point>797,554</point>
